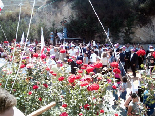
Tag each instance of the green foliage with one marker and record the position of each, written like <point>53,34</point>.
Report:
<point>117,15</point>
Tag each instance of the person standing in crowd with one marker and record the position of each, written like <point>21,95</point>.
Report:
<point>104,59</point>
<point>93,57</point>
<point>140,59</point>
<point>85,59</point>
<point>149,57</point>
<point>133,108</point>
<point>73,65</point>
<point>133,61</point>
<point>127,58</point>
<point>72,51</point>
<point>123,89</point>
<point>122,60</point>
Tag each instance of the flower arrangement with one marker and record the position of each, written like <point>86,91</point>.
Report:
<point>141,52</point>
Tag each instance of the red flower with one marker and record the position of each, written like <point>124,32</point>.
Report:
<point>80,71</point>
<point>45,85</point>
<point>47,69</point>
<point>51,71</point>
<point>101,111</point>
<point>116,114</point>
<point>114,64</point>
<point>6,42</point>
<point>153,54</point>
<point>22,66</point>
<point>79,61</point>
<point>86,106</point>
<point>43,56</point>
<point>30,93</point>
<point>54,74</point>
<point>98,65</point>
<point>35,55</point>
<point>141,52</point>
<point>114,87</point>
<point>40,99</point>
<point>62,51</point>
<point>64,105</point>
<point>71,79</point>
<point>64,114</point>
<point>89,69</point>
<point>116,70</point>
<point>83,67</point>
<point>35,87</point>
<point>69,60</point>
<point>12,48</point>
<point>88,88</point>
<point>84,83</point>
<point>94,87</point>
<point>0,84</point>
<point>61,78</point>
<point>18,45</point>
<point>80,114</point>
<point>78,76</point>
<point>99,78</point>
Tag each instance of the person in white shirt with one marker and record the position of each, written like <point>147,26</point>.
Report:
<point>7,104</point>
<point>72,51</point>
<point>93,57</point>
<point>104,59</point>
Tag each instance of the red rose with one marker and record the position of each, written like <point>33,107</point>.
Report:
<point>116,114</point>
<point>84,83</point>
<point>22,66</point>
<point>43,56</point>
<point>0,84</point>
<point>98,65</point>
<point>79,61</point>
<point>99,78</point>
<point>45,85</point>
<point>35,55</point>
<point>78,76</point>
<point>35,87</point>
<point>80,71</point>
<point>88,88</point>
<point>114,64</point>
<point>83,67</point>
<point>80,114</point>
<point>47,69</point>
<point>51,71</point>
<point>101,111</point>
<point>18,45</point>
<point>86,106</point>
<point>69,60</point>
<point>141,52</point>
<point>64,114</point>
<point>153,54</point>
<point>12,48</point>
<point>116,70</point>
<point>6,42</point>
<point>94,87</point>
<point>71,79</point>
<point>61,78</point>
<point>114,87</point>
<point>62,51</point>
<point>89,69</point>
<point>30,93</point>
<point>64,105</point>
<point>40,99</point>
<point>54,74</point>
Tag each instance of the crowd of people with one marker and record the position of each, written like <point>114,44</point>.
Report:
<point>125,55</point>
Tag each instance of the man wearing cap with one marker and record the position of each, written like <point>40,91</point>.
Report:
<point>133,61</point>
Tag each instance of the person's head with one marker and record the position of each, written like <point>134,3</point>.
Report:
<point>92,51</point>
<point>59,62</point>
<point>120,50</point>
<point>85,55</point>
<point>134,97</point>
<point>124,79</point>
<point>132,50</point>
<point>123,48</point>
<point>104,55</point>
<point>7,101</point>
<point>151,60</point>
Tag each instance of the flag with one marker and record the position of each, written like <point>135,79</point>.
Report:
<point>42,41</point>
<point>1,5</point>
<point>22,39</point>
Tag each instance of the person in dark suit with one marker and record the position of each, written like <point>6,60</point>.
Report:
<point>133,61</point>
<point>73,65</point>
